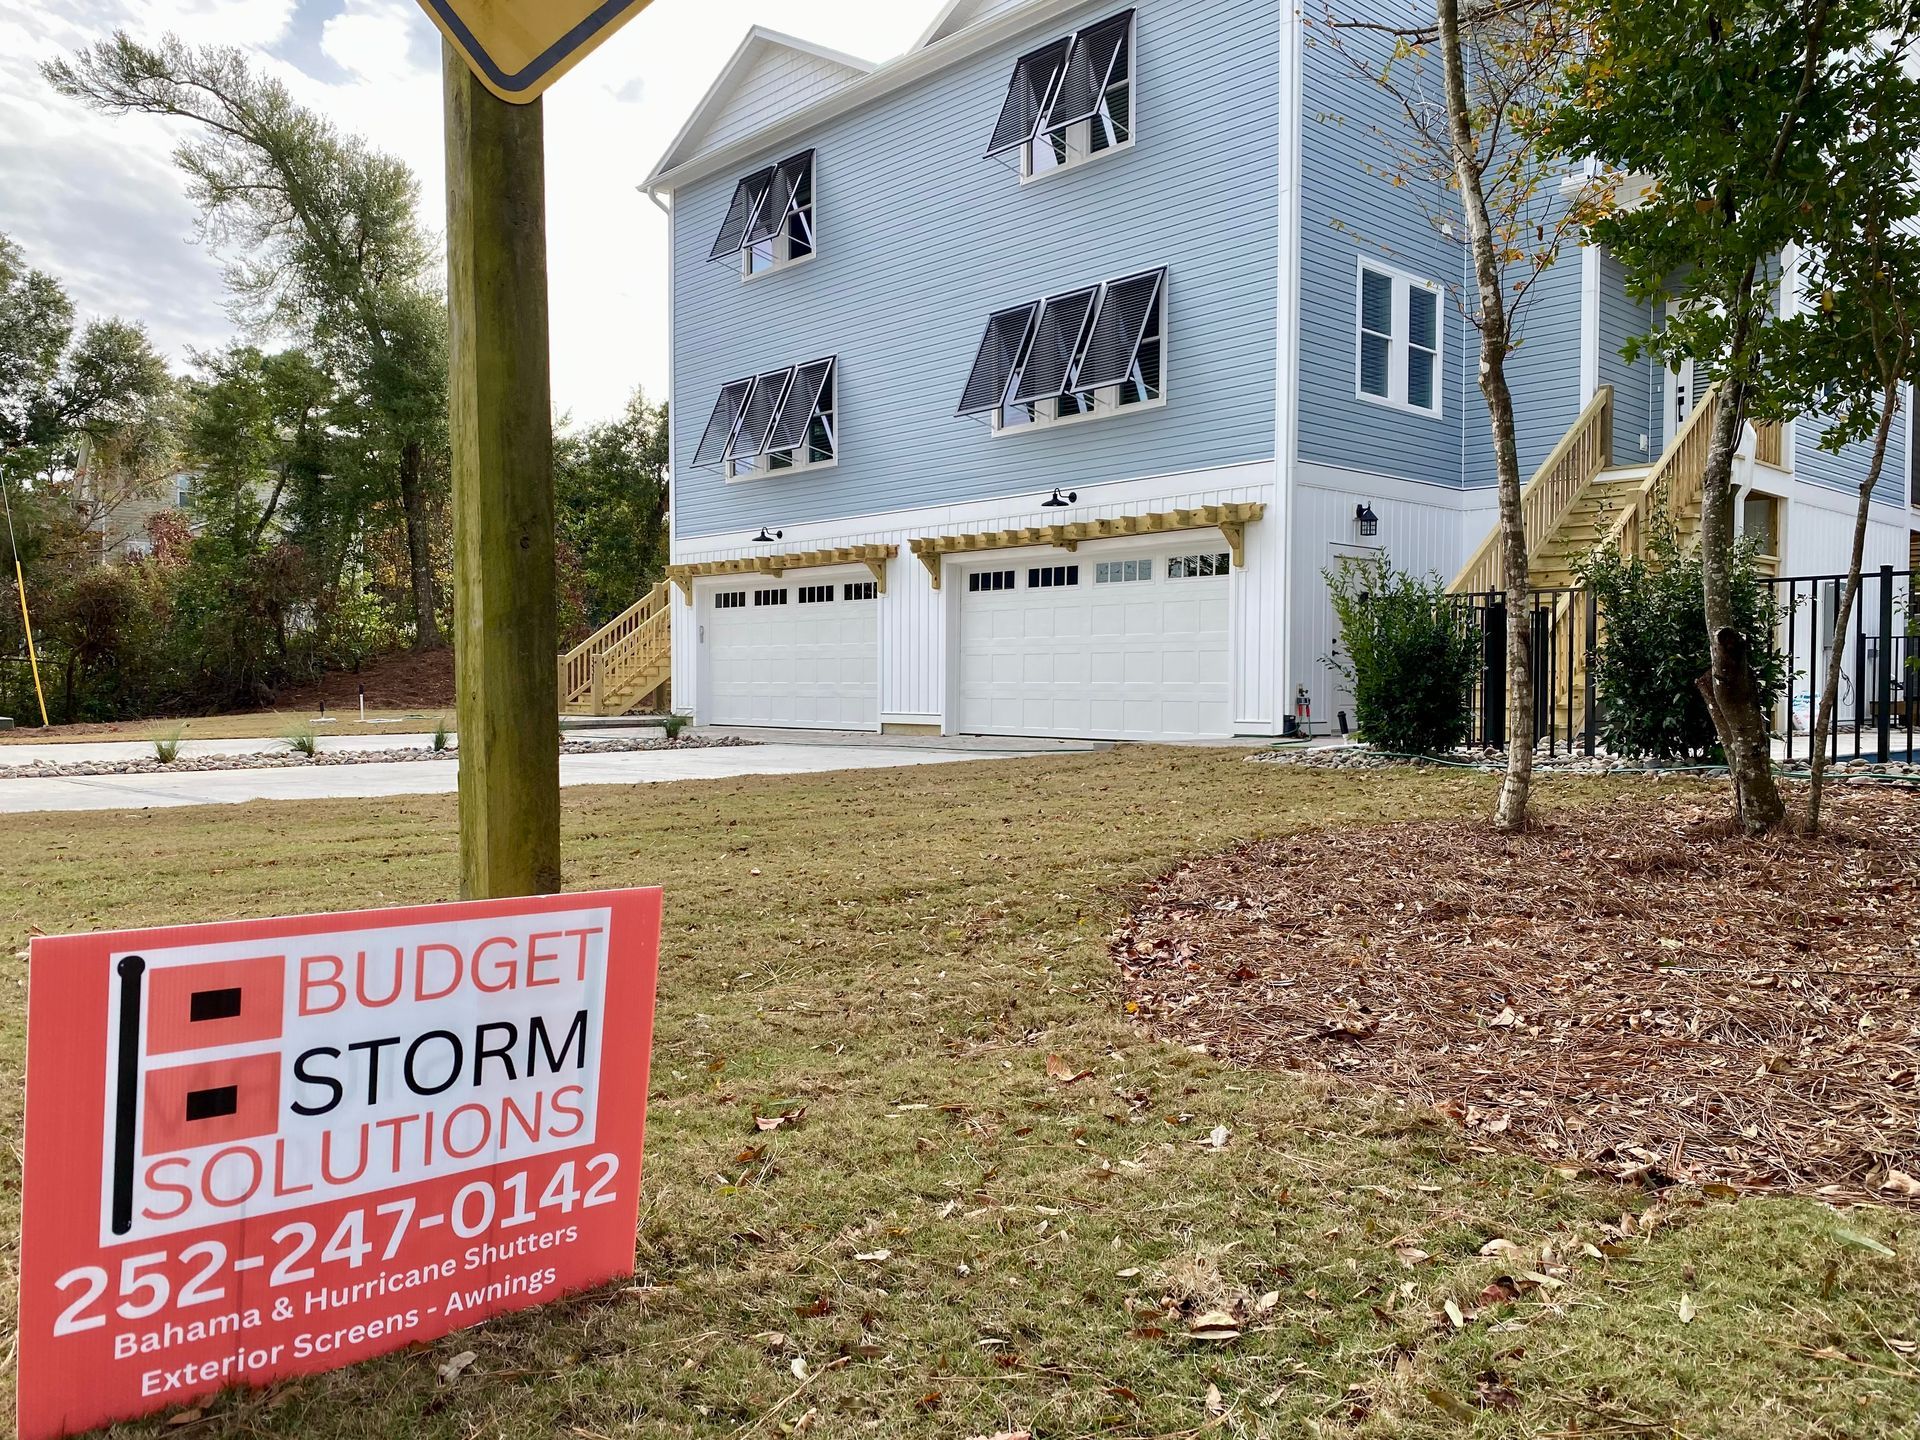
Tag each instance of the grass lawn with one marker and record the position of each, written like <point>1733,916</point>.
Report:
<point>259,725</point>
<point>900,952</point>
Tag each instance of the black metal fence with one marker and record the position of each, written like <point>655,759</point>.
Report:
<point>1877,709</point>
<point>1879,653</point>
<point>1564,631</point>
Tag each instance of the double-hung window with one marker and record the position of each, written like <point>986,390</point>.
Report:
<point>1399,339</point>
<point>1074,356</point>
<point>768,424</point>
<point>1069,100</point>
<point>769,224</point>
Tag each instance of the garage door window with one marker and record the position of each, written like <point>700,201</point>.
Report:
<point>1191,567</point>
<point>860,590</point>
<point>816,594</point>
<point>730,600</point>
<point>984,580</point>
<point>1122,572</point>
<point>1048,577</point>
<point>769,597</point>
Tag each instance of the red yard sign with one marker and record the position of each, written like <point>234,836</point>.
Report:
<point>269,1148</point>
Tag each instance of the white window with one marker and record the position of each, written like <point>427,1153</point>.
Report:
<point>1399,340</point>
<point>1070,100</point>
<point>1199,567</point>
<point>182,491</point>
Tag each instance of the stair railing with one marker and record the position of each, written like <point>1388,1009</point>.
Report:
<point>1583,452</point>
<point>1674,484</point>
<point>588,671</point>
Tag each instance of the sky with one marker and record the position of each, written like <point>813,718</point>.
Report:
<point>96,201</point>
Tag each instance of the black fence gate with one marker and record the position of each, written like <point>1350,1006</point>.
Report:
<point>1564,630</point>
<point>1879,655</point>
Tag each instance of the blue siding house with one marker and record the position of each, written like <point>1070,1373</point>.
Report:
<point>1029,382</point>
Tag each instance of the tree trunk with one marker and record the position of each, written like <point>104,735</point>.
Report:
<point>1830,690</point>
<point>1738,716</point>
<point>413,500</point>
<point>1510,811</point>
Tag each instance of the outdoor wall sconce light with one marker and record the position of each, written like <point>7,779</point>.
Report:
<point>763,538</point>
<point>1368,522</point>
<point>1057,502</point>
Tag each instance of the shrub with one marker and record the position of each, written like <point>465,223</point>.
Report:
<point>166,745</point>
<point>1407,655</point>
<point>673,725</point>
<point>301,739</point>
<point>1654,647</point>
<point>442,733</point>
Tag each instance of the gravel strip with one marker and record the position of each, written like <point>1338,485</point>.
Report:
<point>294,760</point>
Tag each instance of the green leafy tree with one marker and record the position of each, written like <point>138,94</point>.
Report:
<point>610,484</point>
<point>323,238</point>
<point>256,424</point>
<point>1715,123</point>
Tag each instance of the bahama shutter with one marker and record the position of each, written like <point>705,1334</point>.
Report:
<point>1028,94</point>
<point>789,183</point>
<point>723,422</point>
<point>749,204</point>
<point>1088,69</point>
<point>1000,349</point>
<point>761,412</point>
<point>1118,328</point>
<point>1056,342</point>
<point>809,383</point>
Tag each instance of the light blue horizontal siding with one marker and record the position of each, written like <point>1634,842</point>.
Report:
<point>921,239</point>
<point>1846,469</point>
<point>1639,387</point>
<point>1350,209</point>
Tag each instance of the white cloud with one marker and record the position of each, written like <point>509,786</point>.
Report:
<point>97,200</point>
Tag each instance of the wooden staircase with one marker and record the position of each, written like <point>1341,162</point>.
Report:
<point>624,666</point>
<point>1578,503</point>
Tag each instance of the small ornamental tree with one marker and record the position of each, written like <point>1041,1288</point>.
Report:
<point>1647,669</point>
<point>1406,654</point>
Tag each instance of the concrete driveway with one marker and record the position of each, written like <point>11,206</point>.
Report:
<point>780,753</point>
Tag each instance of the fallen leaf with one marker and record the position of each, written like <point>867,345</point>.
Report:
<point>1898,1182</point>
<point>186,1417</point>
<point>1411,1255</point>
<point>799,1368</point>
<point>874,1257</point>
<point>1453,1314</point>
<point>1505,1020</point>
<point>451,1371</point>
<point>1499,1247</point>
<point>1216,1138</point>
<point>1215,1405</point>
<point>1457,1408</point>
<point>1127,1274</point>
<point>1060,1070</point>
<point>1268,1301</point>
<point>1687,1310</point>
<point>766,1123</point>
<point>1214,1325</point>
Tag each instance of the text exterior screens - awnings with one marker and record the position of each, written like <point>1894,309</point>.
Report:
<point>762,202</point>
<point>723,422</point>
<point>1089,68</point>
<point>999,352</point>
<point>1065,356</point>
<point>1059,84</point>
<point>1034,78</point>
<point>765,413</point>
<point>1056,342</point>
<point>1118,329</point>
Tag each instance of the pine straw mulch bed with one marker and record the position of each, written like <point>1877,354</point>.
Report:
<point>1627,989</point>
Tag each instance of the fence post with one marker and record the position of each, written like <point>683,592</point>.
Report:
<point>1593,651</point>
<point>1541,655</point>
<point>1493,672</point>
<point>1884,697</point>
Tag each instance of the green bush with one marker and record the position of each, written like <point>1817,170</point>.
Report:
<point>673,724</point>
<point>1654,648</point>
<point>1407,655</point>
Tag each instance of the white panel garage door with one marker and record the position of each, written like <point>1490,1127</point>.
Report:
<point>791,653</point>
<point>1129,648</point>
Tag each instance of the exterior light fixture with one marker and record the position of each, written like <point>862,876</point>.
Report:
<point>1368,522</point>
<point>1059,502</point>
<point>763,538</point>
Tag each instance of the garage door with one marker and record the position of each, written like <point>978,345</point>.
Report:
<point>786,653</point>
<point>1128,648</point>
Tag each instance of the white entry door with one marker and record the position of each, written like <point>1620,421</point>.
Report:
<point>794,653</point>
<point>1128,647</point>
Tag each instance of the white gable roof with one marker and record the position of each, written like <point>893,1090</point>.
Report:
<point>769,76</point>
<point>959,14</point>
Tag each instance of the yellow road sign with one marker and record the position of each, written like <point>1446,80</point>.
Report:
<point>520,47</point>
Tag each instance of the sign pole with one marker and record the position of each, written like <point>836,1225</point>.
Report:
<point>501,434</point>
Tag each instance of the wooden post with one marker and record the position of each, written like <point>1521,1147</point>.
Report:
<point>501,418</point>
